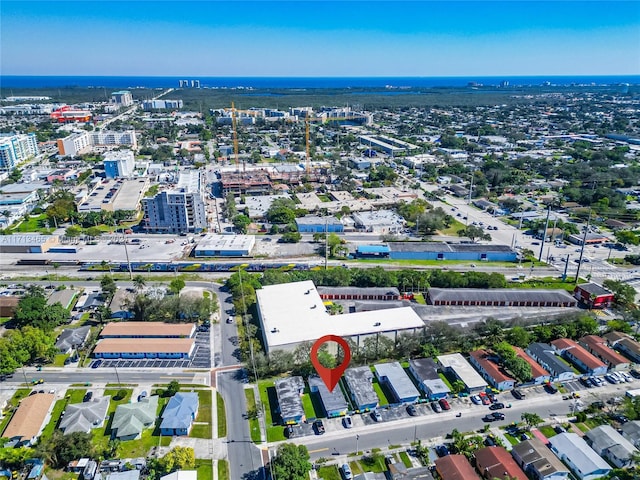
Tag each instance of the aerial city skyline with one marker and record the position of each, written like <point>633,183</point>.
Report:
<point>275,38</point>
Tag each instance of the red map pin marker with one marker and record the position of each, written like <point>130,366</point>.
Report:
<point>330,376</point>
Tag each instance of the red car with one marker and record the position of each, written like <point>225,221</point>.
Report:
<point>485,400</point>
<point>444,404</point>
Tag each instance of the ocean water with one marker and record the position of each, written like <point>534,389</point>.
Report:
<point>23,81</point>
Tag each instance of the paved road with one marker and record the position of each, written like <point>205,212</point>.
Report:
<point>245,459</point>
<point>104,375</point>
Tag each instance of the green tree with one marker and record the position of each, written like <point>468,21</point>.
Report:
<point>93,232</point>
<point>139,282</point>
<point>178,458</point>
<point>108,286</point>
<point>624,293</point>
<point>60,449</point>
<point>241,222</point>
<point>281,211</point>
<point>519,337</point>
<point>627,237</point>
<point>73,231</point>
<point>531,419</point>
<point>291,237</point>
<point>176,285</point>
<point>291,462</point>
<point>172,388</point>
<point>474,233</point>
<point>33,310</point>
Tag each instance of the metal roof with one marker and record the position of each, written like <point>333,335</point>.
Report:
<point>500,295</point>
<point>594,289</point>
<point>446,247</point>
<point>544,353</point>
<point>576,450</point>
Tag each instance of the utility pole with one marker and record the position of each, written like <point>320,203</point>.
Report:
<point>584,242</point>
<point>470,188</point>
<point>544,233</point>
<point>326,243</point>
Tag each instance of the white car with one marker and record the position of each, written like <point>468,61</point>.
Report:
<point>348,423</point>
<point>476,399</point>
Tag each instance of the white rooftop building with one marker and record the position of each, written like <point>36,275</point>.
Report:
<point>225,246</point>
<point>581,459</point>
<point>379,221</point>
<point>293,313</point>
<point>456,364</point>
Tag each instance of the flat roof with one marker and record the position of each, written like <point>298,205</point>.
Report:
<point>147,329</point>
<point>594,289</point>
<point>424,368</point>
<point>500,295</point>
<point>441,247</point>
<point>316,220</point>
<point>292,313</point>
<point>398,378</point>
<point>28,418</point>
<point>463,370</point>
<point>332,401</point>
<point>360,382</point>
<point>145,345</point>
<point>288,391</point>
<point>378,218</point>
<point>224,243</point>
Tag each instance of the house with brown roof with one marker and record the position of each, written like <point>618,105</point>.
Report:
<point>624,344</point>
<point>148,330</point>
<point>486,364</point>
<point>598,347</point>
<point>28,420</point>
<point>538,374</point>
<point>495,462</point>
<point>455,467</point>
<point>577,355</point>
<point>169,348</point>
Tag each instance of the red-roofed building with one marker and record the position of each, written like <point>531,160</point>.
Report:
<point>486,364</point>
<point>69,114</point>
<point>455,467</point>
<point>593,295</point>
<point>577,355</point>
<point>496,462</point>
<point>538,374</point>
<point>598,347</point>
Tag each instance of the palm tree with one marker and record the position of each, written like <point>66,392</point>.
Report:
<point>139,282</point>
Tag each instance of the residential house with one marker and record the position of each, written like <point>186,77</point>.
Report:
<point>181,475</point>
<point>82,417</point>
<point>579,457</point>
<point>577,355</point>
<point>289,391</point>
<point>396,379</point>
<point>631,431</point>
<point>359,381</point>
<point>119,305</point>
<point>538,374</point>
<point>179,414</point>
<point>455,467</point>
<point>333,402</point>
<point>28,420</point>
<point>544,354</point>
<point>425,372</point>
<point>72,338</point>
<point>131,419</point>
<point>611,446</point>
<point>535,458</point>
<point>456,365</point>
<point>598,347</point>
<point>488,367</point>
<point>496,463</point>
<point>624,344</point>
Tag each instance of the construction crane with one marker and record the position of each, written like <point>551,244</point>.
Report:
<point>235,139</point>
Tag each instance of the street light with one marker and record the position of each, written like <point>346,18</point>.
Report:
<point>357,438</point>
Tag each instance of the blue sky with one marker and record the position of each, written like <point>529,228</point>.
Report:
<point>319,38</point>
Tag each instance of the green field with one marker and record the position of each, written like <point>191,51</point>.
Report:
<point>204,469</point>
<point>223,470</point>
<point>222,416</point>
<point>329,472</point>
<point>275,433</point>
<point>203,428</point>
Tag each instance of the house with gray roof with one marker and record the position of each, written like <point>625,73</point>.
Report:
<point>289,391</point>
<point>583,461</point>
<point>333,403</point>
<point>631,431</point>
<point>179,414</point>
<point>425,372</point>
<point>359,381</point>
<point>611,446</point>
<point>63,297</point>
<point>544,354</point>
<point>71,338</point>
<point>131,419</point>
<point>397,381</point>
<point>536,459</point>
<point>82,417</point>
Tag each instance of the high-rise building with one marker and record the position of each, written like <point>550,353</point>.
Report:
<point>160,104</point>
<point>122,98</point>
<point>81,142</point>
<point>179,210</point>
<point>16,148</point>
<point>119,163</point>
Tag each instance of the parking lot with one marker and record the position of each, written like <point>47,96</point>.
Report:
<point>201,358</point>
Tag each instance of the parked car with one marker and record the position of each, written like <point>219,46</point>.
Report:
<point>376,416</point>
<point>96,364</point>
<point>476,399</point>
<point>347,422</point>
<point>436,407</point>
<point>346,471</point>
<point>634,373</point>
<point>444,404</point>
<point>289,432</point>
<point>559,429</point>
<point>87,397</point>
<point>485,400</point>
<point>517,394</point>
<point>550,389</point>
<point>319,427</point>
<point>442,450</point>
<point>496,406</point>
<point>411,410</point>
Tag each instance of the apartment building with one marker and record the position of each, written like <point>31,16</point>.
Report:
<point>15,149</point>
<point>119,163</point>
<point>83,142</point>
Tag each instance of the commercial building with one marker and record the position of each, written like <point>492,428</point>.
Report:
<point>148,330</point>
<point>611,446</point>
<point>499,297</point>
<point>82,417</point>
<point>455,467</point>
<point>455,364</point>
<point>451,251</point>
<point>289,391</point>
<point>359,293</point>
<point>179,414</point>
<point>359,382</point>
<point>161,104</point>
<point>122,98</point>
<point>593,295</point>
<point>373,251</point>
<point>425,372</point>
<point>379,221</point>
<point>488,367</point>
<point>590,239</point>
<point>179,210</point>
<point>113,195</point>
<point>28,420</point>
<point>538,374</point>
<point>225,246</point>
<point>15,149</point>
<point>536,459</point>
<point>27,243</point>
<point>623,343</point>
<point>544,354</point>
<point>577,355</point>
<point>130,419</point>
<point>333,403</point>
<point>166,348</point>
<point>294,313</point>
<point>119,163</point>
<point>598,347</point>
<point>397,381</point>
<point>390,146</point>
<point>68,114</point>
<point>495,462</point>
<point>314,224</point>
<point>581,459</point>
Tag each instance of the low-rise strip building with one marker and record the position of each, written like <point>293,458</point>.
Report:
<point>359,381</point>
<point>488,367</point>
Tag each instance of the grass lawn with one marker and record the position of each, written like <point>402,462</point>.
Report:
<point>419,298</point>
<point>583,427</point>
<point>432,263</point>
<point>547,431</point>
<point>381,396</point>
<point>222,416</point>
<point>453,228</point>
<point>223,470</point>
<point>512,440</point>
<point>275,431</point>
<point>34,224</point>
<point>404,456</point>
<point>204,416</point>
<point>254,424</point>
<point>56,413</point>
<point>330,472</point>
<point>204,469</point>
<point>53,474</point>
<point>445,380</point>
<point>102,435</point>
<point>76,395</point>
<point>547,282</point>
<point>59,359</point>
<point>15,400</point>
<point>592,422</point>
<point>307,404</point>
